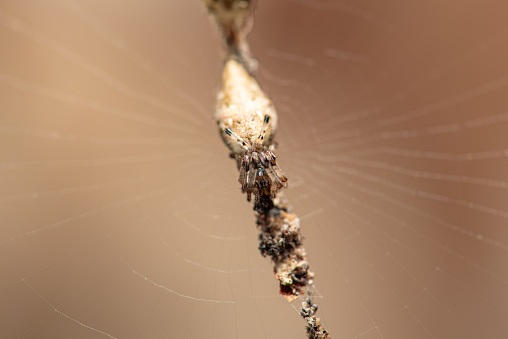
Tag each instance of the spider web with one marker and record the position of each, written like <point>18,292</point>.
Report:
<point>121,214</point>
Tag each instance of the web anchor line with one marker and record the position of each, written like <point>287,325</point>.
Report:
<point>247,122</point>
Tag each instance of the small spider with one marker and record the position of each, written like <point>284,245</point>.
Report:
<point>259,172</point>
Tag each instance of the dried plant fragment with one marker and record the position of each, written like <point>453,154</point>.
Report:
<point>234,18</point>
<point>281,240</point>
<point>314,328</point>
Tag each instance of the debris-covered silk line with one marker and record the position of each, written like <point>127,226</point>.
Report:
<point>247,122</point>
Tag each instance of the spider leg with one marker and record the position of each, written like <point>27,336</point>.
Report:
<point>263,159</point>
<point>272,164</point>
<point>235,136</point>
<point>266,120</point>
<point>281,178</point>
<point>275,184</point>
<point>252,174</point>
<point>266,176</point>
<point>244,169</point>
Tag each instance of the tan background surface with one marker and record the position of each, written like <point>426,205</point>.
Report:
<point>120,212</point>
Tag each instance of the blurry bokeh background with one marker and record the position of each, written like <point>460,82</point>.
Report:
<point>120,211</point>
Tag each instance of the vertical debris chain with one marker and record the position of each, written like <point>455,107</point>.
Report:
<point>247,122</point>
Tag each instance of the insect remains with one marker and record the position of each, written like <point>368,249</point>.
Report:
<point>259,173</point>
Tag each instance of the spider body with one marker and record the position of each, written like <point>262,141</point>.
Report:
<point>259,172</point>
<point>247,121</point>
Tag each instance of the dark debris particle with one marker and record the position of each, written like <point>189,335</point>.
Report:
<point>280,239</point>
<point>308,308</point>
<point>314,329</point>
<point>300,274</point>
<point>280,246</point>
<point>264,205</point>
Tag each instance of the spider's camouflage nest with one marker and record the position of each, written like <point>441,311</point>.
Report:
<point>247,122</point>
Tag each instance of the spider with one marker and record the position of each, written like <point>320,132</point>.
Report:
<point>259,172</point>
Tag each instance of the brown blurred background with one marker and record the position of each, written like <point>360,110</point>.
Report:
<point>120,211</point>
